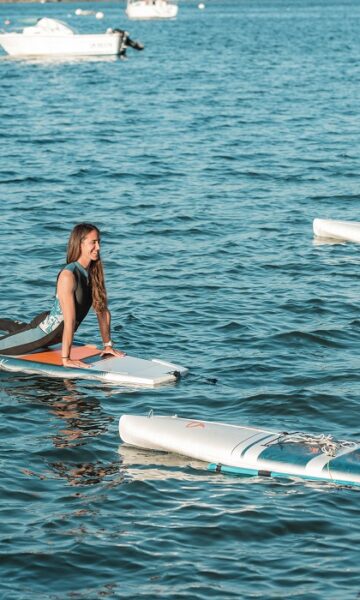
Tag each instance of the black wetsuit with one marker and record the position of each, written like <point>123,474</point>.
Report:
<point>47,328</point>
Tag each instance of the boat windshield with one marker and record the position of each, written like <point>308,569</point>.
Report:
<point>47,26</point>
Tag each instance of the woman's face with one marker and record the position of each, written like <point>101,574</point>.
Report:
<point>90,246</point>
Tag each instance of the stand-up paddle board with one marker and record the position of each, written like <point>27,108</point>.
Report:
<point>247,450</point>
<point>127,370</point>
<point>337,230</point>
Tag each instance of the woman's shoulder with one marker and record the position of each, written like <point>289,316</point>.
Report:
<point>74,267</point>
<point>66,270</point>
<point>70,267</point>
<point>77,270</point>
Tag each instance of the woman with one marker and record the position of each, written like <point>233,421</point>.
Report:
<point>80,285</point>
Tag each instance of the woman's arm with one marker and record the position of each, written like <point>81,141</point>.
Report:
<point>65,291</point>
<point>104,319</point>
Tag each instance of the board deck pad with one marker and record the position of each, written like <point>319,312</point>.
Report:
<point>126,370</point>
<point>53,356</point>
<point>129,365</point>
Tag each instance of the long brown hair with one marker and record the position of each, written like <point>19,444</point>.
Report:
<point>96,271</point>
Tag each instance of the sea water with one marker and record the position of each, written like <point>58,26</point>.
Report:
<point>203,160</point>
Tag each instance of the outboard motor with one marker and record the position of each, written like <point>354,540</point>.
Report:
<point>128,42</point>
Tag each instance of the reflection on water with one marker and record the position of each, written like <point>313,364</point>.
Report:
<point>83,420</point>
<point>86,473</point>
<point>327,241</point>
<point>82,415</point>
<point>147,465</point>
<point>59,60</point>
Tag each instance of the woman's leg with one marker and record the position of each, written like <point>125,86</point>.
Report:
<point>28,337</point>
<point>11,326</point>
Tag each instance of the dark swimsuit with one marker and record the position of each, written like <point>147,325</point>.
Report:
<point>47,328</point>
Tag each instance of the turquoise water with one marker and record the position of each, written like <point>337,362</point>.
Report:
<point>204,160</point>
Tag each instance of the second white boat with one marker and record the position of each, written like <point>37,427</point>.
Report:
<point>151,9</point>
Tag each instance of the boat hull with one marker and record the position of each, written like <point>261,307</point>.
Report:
<point>243,450</point>
<point>337,230</point>
<point>22,45</point>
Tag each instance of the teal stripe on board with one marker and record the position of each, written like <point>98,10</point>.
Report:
<point>258,441</point>
<point>345,463</point>
<point>242,471</point>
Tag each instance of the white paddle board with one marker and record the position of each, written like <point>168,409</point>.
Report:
<point>337,230</point>
<point>247,450</point>
<point>127,370</point>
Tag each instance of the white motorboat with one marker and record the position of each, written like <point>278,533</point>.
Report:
<point>50,37</point>
<point>151,9</point>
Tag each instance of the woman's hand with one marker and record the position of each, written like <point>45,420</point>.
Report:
<point>113,352</point>
<point>74,364</point>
